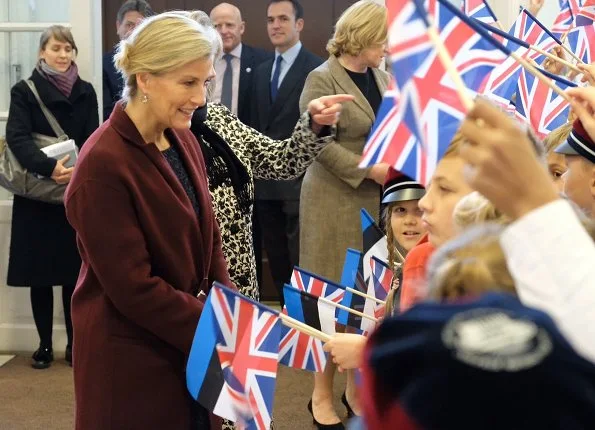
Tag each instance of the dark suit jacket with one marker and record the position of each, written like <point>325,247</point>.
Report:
<point>277,120</point>
<point>146,254</point>
<point>251,58</point>
<point>112,84</point>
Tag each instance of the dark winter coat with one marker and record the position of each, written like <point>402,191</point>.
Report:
<point>42,247</point>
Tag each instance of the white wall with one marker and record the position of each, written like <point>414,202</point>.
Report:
<point>17,329</point>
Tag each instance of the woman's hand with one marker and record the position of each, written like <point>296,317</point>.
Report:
<point>378,172</point>
<point>326,110</point>
<point>62,174</point>
<point>347,350</point>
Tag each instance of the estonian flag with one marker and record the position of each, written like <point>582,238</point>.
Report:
<point>306,308</point>
<point>204,377</point>
<point>374,243</point>
<point>352,277</point>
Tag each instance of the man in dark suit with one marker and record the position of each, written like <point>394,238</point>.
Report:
<point>278,85</point>
<point>233,86</point>
<point>130,14</point>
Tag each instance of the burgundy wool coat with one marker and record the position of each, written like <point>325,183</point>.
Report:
<point>145,256</point>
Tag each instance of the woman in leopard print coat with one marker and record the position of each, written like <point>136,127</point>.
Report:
<point>235,155</point>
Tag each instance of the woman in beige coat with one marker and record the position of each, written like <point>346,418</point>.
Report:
<point>334,187</point>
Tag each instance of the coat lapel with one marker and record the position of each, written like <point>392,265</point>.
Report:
<point>122,123</point>
<point>381,80</point>
<point>345,82</point>
<point>291,79</point>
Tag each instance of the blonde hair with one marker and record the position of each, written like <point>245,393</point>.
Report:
<point>163,43</point>
<point>58,32</point>
<point>474,208</point>
<point>454,145</point>
<point>557,137</point>
<point>363,25</point>
<point>471,264</point>
<point>458,140</point>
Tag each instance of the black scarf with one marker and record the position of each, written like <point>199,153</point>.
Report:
<point>213,146</point>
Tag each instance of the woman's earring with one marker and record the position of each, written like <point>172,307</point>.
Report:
<point>145,98</point>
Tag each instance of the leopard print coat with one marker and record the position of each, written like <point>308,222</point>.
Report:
<point>264,158</point>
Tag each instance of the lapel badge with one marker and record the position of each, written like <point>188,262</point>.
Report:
<point>248,69</point>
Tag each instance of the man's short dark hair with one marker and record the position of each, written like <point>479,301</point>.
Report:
<point>298,9</point>
<point>140,6</point>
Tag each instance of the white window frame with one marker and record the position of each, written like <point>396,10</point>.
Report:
<point>85,17</point>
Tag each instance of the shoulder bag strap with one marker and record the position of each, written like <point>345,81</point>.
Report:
<point>48,115</point>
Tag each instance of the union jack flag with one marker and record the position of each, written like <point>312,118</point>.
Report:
<point>384,138</point>
<point>408,41</point>
<point>316,285</point>
<point>414,128</point>
<point>300,350</point>
<point>248,350</point>
<point>574,5</point>
<point>379,285</point>
<point>580,42</point>
<point>429,104</point>
<point>479,10</point>
<point>297,349</point>
<point>586,14</point>
<point>564,20</point>
<point>530,30</point>
<point>525,31</point>
<point>539,105</point>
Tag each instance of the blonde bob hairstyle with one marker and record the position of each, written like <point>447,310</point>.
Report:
<point>163,43</point>
<point>363,25</point>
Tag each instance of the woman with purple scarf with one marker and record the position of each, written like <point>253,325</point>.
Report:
<point>43,250</point>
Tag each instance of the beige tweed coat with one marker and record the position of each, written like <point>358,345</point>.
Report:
<point>334,187</point>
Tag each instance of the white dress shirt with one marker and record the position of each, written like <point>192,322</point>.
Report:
<point>289,57</point>
<point>552,260</point>
<point>220,66</point>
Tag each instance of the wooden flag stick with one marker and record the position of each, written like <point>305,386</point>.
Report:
<point>304,328</point>
<point>567,49</point>
<point>565,35</point>
<point>535,72</point>
<point>556,58</point>
<point>345,308</point>
<point>450,68</point>
<point>367,296</point>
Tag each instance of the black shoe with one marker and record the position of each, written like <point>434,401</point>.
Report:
<point>68,355</point>
<point>42,358</point>
<point>350,413</point>
<point>336,426</point>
